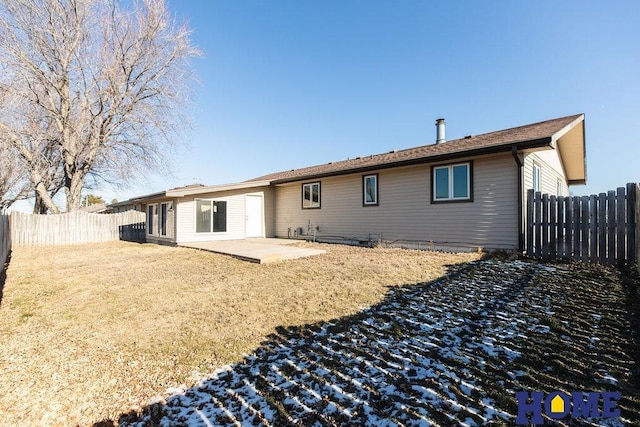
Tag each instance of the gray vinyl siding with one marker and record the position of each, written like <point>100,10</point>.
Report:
<point>405,213</point>
<point>236,215</point>
<point>550,172</point>
<point>269,212</point>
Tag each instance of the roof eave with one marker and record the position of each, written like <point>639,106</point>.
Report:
<point>519,145</point>
<point>577,181</point>
<point>141,199</point>
<point>218,188</point>
<point>579,177</point>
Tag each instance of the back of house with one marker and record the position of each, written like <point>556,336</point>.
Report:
<point>462,194</point>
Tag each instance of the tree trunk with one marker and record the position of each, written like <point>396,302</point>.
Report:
<point>73,190</point>
<point>39,207</point>
<point>45,199</point>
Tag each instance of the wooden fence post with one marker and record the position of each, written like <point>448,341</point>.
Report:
<point>545,226</point>
<point>538,224</point>
<point>637,231</point>
<point>631,222</point>
<point>530,220</point>
<point>5,240</point>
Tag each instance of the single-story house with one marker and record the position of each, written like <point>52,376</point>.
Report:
<point>101,208</point>
<point>465,193</point>
<point>125,206</point>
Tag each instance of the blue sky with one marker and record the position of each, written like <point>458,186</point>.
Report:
<point>287,84</point>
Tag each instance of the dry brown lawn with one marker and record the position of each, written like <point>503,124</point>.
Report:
<point>89,332</point>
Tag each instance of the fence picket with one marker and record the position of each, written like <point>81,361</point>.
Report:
<point>620,224</point>
<point>577,236</point>
<point>530,224</point>
<point>631,222</point>
<point>568,251</point>
<point>560,227</point>
<point>602,227</point>
<point>593,229</point>
<point>553,242</point>
<point>611,232</point>
<point>584,228</point>
<point>545,225</point>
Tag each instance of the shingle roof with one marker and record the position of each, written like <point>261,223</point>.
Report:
<point>527,136</point>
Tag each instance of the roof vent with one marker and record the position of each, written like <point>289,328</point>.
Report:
<point>440,138</point>
<point>393,151</point>
<point>468,137</point>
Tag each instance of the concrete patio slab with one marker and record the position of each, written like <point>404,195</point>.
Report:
<point>261,251</point>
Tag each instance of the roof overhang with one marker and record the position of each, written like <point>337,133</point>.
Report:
<point>141,199</point>
<point>571,145</point>
<point>192,191</point>
<point>181,192</point>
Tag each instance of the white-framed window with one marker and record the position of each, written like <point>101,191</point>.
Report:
<point>559,187</point>
<point>211,216</point>
<point>370,190</point>
<point>536,177</point>
<point>452,183</point>
<point>152,215</point>
<point>311,195</point>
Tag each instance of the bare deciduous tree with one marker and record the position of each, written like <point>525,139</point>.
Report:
<point>13,179</point>
<point>96,90</point>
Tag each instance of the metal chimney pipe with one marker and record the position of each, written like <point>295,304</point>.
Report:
<point>440,138</point>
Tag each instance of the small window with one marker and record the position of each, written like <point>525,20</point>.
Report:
<point>211,216</point>
<point>451,183</point>
<point>370,190</point>
<point>311,195</point>
<point>536,177</point>
<point>559,188</point>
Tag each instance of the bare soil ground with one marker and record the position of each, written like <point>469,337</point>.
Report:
<point>90,332</point>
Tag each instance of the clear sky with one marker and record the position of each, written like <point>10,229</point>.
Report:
<point>287,84</point>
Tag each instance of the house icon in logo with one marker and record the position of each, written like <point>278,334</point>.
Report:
<point>557,405</point>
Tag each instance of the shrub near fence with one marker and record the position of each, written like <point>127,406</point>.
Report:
<point>69,228</point>
<point>598,228</point>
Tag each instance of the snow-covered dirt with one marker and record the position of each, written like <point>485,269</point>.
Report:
<point>449,352</point>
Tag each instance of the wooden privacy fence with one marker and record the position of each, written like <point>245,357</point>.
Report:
<point>601,228</point>
<point>5,241</point>
<point>68,228</point>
